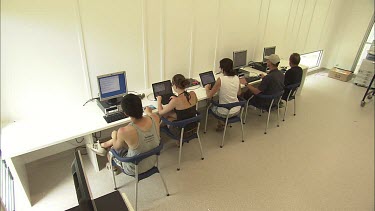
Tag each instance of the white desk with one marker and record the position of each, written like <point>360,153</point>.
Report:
<point>42,133</point>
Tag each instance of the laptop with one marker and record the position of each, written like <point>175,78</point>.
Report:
<point>207,78</point>
<point>163,89</point>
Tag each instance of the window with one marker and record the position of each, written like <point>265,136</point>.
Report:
<point>312,60</point>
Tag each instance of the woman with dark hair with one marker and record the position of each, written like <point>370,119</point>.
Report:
<point>181,107</point>
<point>228,86</point>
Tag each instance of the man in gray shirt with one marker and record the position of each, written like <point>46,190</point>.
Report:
<point>272,83</point>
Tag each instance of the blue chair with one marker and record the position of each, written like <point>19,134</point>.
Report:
<point>272,99</point>
<point>182,124</point>
<point>227,120</point>
<point>117,160</point>
<point>291,90</point>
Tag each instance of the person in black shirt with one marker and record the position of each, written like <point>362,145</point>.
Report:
<point>294,74</point>
<point>272,83</point>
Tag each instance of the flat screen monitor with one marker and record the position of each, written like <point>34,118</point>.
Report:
<point>81,184</point>
<point>268,51</point>
<point>112,85</point>
<point>239,59</point>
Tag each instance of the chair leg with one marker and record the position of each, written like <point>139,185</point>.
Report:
<point>260,112</point>
<point>199,140</point>
<point>113,173</point>
<point>165,186</point>
<point>205,124</point>
<point>136,187</point>
<point>247,106</point>
<point>242,129</point>
<point>268,118</point>
<point>225,129</point>
<point>278,114</point>
<point>294,106</point>
<point>285,110</point>
<point>180,152</point>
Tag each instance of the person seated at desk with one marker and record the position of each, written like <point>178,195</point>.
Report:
<point>229,86</point>
<point>181,107</point>
<point>294,74</point>
<point>272,83</point>
<point>142,134</point>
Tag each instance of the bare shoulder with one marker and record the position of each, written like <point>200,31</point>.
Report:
<point>155,117</point>
<point>126,131</point>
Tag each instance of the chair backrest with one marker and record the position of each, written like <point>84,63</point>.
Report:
<point>241,102</point>
<point>292,88</point>
<point>138,158</point>
<point>271,97</point>
<point>183,123</point>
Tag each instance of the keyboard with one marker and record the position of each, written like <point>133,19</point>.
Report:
<point>114,117</point>
<point>252,78</point>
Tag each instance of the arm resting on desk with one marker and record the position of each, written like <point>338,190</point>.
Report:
<point>252,89</point>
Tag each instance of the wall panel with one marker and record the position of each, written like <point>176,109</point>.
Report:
<point>178,20</point>
<point>113,39</point>
<point>204,35</point>
<point>41,66</point>
<point>154,42</point>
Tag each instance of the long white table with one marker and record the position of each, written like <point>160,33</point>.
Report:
<point>27,136</point>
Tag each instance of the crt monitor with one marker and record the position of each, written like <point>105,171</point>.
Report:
<point>112,86</point>
<point>239,59</point>
<point>81,184</point>
<point>268,51</point>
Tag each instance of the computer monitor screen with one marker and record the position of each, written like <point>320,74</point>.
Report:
<point>83,191</point>
<point>268,51</point>
<point>239,58</point>
<point>112,85</point>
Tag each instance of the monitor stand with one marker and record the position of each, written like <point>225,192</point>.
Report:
<point>113,101</point>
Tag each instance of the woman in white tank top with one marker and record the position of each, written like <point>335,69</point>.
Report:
<point>228,86</point>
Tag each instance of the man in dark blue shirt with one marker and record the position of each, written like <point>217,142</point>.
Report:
<point>272,83</point>
<point>294,74</point>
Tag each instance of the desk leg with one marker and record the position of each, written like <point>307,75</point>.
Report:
<point>21,183</point>
<point>92,155</point>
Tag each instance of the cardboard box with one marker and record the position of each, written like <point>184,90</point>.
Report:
<point>339,74</point>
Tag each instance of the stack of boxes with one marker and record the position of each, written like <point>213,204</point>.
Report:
<point>366,70</point>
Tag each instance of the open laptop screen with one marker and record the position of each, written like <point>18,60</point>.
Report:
<point>162,88</point>
<point>207,78</point>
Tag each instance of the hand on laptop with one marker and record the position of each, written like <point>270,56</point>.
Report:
<point>262,75</point>
<point>148,110</point>
<point>243,81</point>
<point>158,98</point>
<point>207,87</point>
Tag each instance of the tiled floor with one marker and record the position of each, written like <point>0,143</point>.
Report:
<point>321,159</point>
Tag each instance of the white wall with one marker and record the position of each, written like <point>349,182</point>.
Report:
<point>55,49</point>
